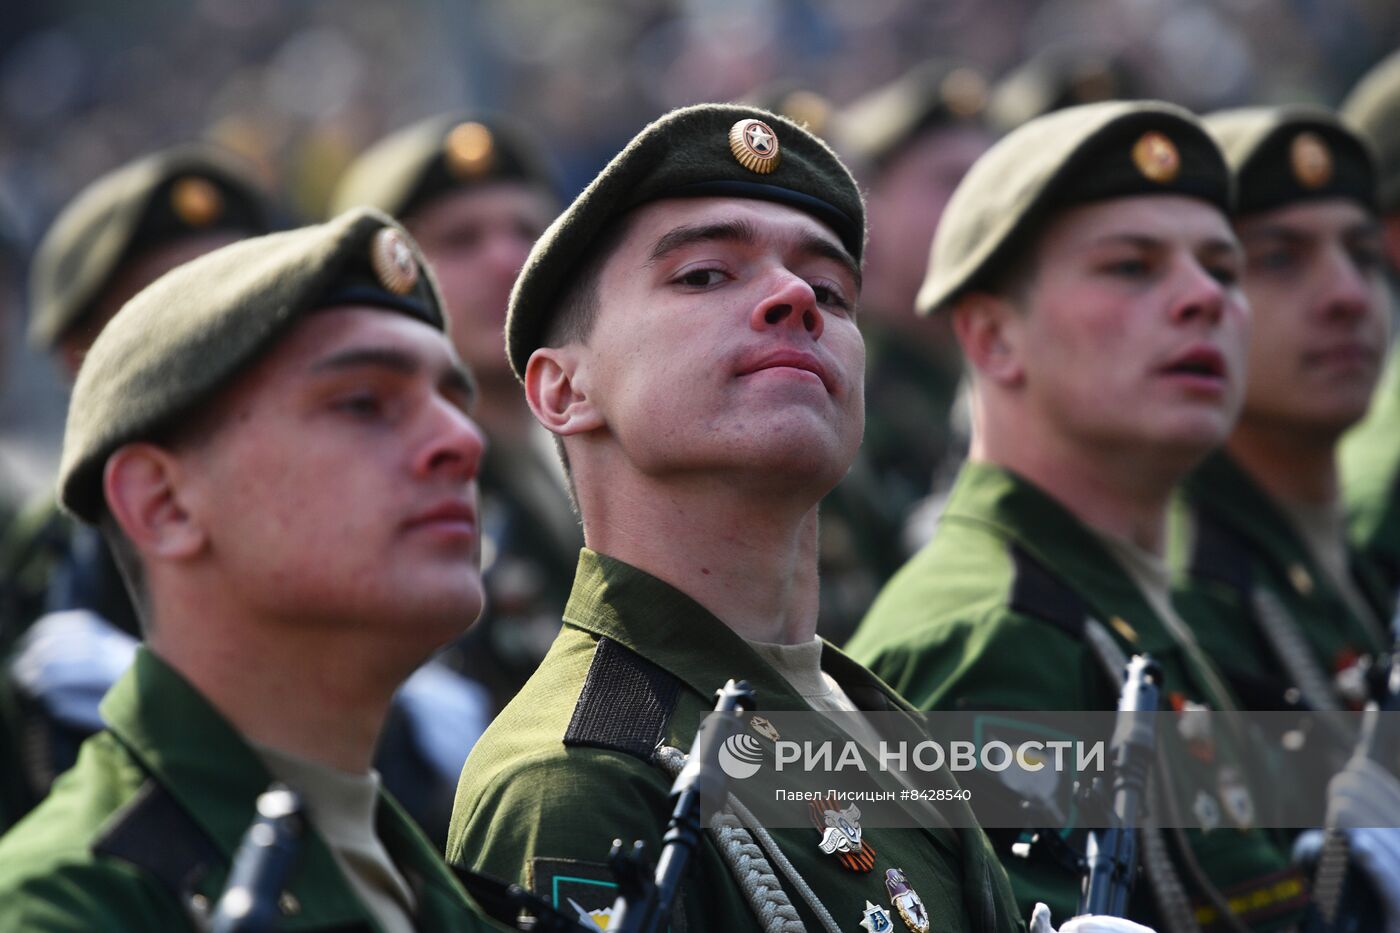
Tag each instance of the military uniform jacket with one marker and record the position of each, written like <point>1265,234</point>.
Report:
<point>566,768</point>
<point>1242,543</point>
<point>148,820</point>
<point>991,615</point>
<point>1370,463</point>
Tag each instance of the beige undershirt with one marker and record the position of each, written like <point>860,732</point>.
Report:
<point>800,666</point>
<point>1323,531</point>
<point>341,806</point>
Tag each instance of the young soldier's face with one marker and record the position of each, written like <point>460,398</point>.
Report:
<point>1314,280</point>
<point>337,480</point>
<point>477,240</point>
<point>1134,328</point>
<point>726,344</point>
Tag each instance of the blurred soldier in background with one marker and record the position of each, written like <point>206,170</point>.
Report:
<point>1274,593</point>
<point>62,592</point>
<point>1371,451</point>
<point>1063,74</point>
<point>1087,259</point>
<point>12,264</point>
<point>911,142</point>
<point>475,192</point>
<point>274,442</point>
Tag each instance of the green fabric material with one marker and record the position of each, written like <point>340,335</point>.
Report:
<point>1373,108</point>
<point>943,633</point>
<point>684,153</point>
<point>1370,465</point>
<point>1258,143</point>
<point>526,801</point>
<point>1219,614</point>
<point>160,727</point>
<point>187,335</point>
<point>123,213</point>
<point>1068,157</point>
<point>408,168</point>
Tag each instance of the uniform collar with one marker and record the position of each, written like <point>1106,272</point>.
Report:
<point>183,742</point>
<point>615,600</point>
<point>1017,510</point>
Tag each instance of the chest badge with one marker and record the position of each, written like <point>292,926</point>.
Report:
<point>911,908</point>
<point>842,835</point>
<point>876,919</point>
<point>764,728</point>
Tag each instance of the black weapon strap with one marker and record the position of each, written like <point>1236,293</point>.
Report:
<point>1038,593</point>
<point>155,834</point>
<point>626,703</point>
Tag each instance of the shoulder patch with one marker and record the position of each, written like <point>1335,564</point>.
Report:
<point>1219,554</point>
<point>154,833</point>
<point>625,704</point>
<point>1039,593</point>
<point>582,891</point>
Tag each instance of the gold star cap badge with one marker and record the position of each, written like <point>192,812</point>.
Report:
<point>196,201</point>
<point>1311,160</point>
<point>964,92</point>
<point>755,145</point>
<point>470,150</point>
<point>1156,157</point>
<point>393,261</point>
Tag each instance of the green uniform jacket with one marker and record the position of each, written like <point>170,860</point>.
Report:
<point>170,784</point>
<point>977,620</point>
<point>564,770</point>
<point>1370,463</point>
<point>1241,541</point>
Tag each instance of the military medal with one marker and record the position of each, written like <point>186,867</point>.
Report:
<point>1235,798</point>
<point>755,145</point>
<point>842,836</point>
<point>764,728</point>
<point>877,919</point>
<point>906,902</point>
<point>1207,811</point>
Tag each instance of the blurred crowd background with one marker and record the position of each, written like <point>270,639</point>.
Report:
<point>300,86</point>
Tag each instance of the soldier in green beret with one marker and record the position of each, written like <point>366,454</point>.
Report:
<point>476,191</point>
<point>119,234</point>
<point>274,441</point>
<point>1092,277</point>
<point>687,329</point>
<point>1370,452</point>
<point>1272,591</point>
<point>912,141</point>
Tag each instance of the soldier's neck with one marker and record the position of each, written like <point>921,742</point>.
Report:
<point>752,564</point>
<point>1123,493</point>
<point>1290,464</point>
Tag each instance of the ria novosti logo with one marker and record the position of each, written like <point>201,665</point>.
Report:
<point>740,756</point>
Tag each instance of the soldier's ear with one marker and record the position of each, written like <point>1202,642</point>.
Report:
<point>556,386</point>
<point>989,330</point>
<point>141,484</point>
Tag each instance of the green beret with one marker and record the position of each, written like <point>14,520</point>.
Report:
<point>876,127</point>
<point>1373,109</point>
<point>187,191</point>
<point>1073,156</point>
<point>1067,74</point>
<point>707,150</point>
<point>189,333</point>
<point>418,163</point>
<point>1280,155</point>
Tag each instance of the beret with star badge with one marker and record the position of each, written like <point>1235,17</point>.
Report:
<point>1073,156</point>
<point>1281,155</point>
<point>192,331</point>
<point>706,150</point>
<point>413,166</point>
<point>1373,110</point>
<point>183,192</point>
<point>934,94</point>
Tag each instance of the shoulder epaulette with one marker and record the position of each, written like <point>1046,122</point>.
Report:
<point>154,833</point>
<point>1037,592</point>
<point>625,704</point>
<point>1219,553</point>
